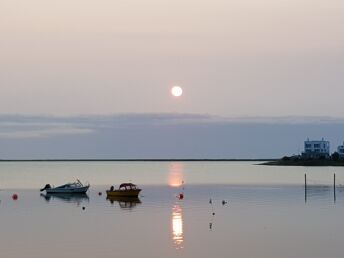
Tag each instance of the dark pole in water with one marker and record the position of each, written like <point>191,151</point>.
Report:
<point>305,188</point>
<point>334,187</point>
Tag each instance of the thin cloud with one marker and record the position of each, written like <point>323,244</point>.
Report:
<point>161,136</point>
<point>21,126</point>
<point>39,133</point>
<point>101,121</point>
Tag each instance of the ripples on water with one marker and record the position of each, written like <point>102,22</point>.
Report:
<point>256,222</point>
<point>271,220</point>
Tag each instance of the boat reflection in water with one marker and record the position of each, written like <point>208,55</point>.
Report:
<point>177,226</point>
<point>66,197</point>
<point>124,202</point>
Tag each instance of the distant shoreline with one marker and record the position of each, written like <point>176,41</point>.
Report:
<point>130,160</point>
<point>305,163</point>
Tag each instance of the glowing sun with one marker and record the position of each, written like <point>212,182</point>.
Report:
<point>176,91</point>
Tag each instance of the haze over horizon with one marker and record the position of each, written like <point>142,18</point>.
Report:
<point>92,79</point>
<point>161,136</point>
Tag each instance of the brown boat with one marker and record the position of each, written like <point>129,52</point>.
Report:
<point>124,190</point>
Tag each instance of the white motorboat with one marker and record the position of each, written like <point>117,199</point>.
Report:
<point>76,187</point>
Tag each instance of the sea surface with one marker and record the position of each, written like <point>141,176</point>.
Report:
<point>230,209</point>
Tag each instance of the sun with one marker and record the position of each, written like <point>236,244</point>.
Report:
<point>176,91</point>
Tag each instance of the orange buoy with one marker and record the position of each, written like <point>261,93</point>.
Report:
<point>15,197</point>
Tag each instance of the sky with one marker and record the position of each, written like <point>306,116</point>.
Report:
<point>233,59</point>
<point>161,136</point>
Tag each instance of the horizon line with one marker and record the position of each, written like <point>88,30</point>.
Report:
<point>123,160</point>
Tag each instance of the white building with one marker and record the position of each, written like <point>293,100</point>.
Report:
<point>340,150</point>
<point>316,149</point>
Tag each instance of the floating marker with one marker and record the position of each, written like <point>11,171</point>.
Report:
<point>83,208</point>
<point>100,193</point>
<point>15,197</point>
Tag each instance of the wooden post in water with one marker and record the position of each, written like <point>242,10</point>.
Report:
<point>305,188</point>
<point>334,187</point>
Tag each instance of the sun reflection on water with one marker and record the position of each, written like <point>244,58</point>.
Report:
<point>175,174</point>
<point>177,227</point>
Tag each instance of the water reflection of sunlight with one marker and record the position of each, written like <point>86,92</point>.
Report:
<point>177,227</point>
<point>175,174</point>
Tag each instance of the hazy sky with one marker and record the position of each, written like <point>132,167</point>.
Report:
<point>114,61</point>
<point>232,58</point>
<point>160,136</point>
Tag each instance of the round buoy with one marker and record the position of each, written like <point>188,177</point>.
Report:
<point>83,208</point>
<point>15,197</point>
<point>181,196</point>
<point>213,213</point>
<point>100,193</point>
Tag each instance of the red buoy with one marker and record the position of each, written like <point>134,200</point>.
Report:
<point>181,196</point>
<point>15,197</point>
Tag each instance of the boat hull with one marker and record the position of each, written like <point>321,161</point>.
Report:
<point>123,193</point>
<point>78,190</point>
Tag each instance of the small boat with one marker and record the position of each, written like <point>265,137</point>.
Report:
<point>124,190</point>
<point>71,188</point>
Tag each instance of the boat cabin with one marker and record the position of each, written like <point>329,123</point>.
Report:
<point>127,186</point>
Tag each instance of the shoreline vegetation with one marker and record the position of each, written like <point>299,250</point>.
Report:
<point>334,160</point>
<point>305,163</point>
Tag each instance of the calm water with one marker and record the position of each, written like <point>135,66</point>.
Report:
<point>267,215</point>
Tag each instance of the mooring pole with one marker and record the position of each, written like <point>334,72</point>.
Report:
<point>305,188</point>
<point>334,187</point>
